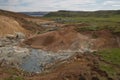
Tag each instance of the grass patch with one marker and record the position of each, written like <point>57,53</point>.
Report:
<point>111,71</point>
<point>15,78</point>
<point>111,55</point>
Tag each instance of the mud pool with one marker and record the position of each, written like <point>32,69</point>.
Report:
<point>37,60</point>
<point>27,59</point>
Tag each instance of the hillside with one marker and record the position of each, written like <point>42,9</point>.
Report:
<point>76,47</point>
<point>63,13</point>
<point>37,14</point>
<point>11,22</point>
<point>10,26</point>
<point>28,23</point>
<point>94,20</point>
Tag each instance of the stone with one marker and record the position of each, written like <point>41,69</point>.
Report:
<point>20,35</point>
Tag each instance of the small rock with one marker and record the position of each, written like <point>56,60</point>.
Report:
<point>20,35</point>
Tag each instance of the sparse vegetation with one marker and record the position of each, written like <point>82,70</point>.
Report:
<point>97,20</point>
<point>87,28</point>
<point>63,13</point>
<point>104,64</point>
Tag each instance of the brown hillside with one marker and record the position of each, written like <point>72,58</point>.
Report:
<point>23,20</point>
<point>58,40</point>
<point>10,26</point>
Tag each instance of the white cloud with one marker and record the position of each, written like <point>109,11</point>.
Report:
<point>116,5</point>
<point>53,5</point>
<point>50,5</point>
<point>115,2</point>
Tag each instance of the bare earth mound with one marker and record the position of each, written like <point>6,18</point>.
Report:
<point>69,39</point>
<point>59,40</point>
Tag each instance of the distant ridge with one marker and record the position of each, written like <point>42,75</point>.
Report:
<point>100,13</point>
<point>12,14</point>
<point>35,13</point>
<point>16,22</point>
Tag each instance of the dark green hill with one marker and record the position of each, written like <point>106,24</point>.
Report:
<point>63,13</point>
<point>97,20</point>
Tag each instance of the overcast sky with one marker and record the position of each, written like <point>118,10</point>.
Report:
<point>54,5</point>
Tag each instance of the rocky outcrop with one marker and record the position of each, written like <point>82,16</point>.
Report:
<point>10,53</point>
